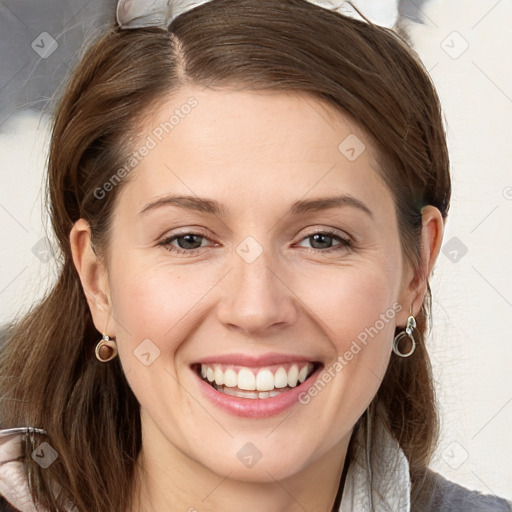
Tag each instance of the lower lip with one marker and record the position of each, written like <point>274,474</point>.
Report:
<point>256,407</point>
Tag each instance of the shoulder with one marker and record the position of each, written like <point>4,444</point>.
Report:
<point>436,494</point>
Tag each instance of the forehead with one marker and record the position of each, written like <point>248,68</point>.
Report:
<point>258,148</point>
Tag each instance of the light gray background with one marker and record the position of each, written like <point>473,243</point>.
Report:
<point>465,44</point>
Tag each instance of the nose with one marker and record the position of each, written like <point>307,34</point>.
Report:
<point>256,298</point>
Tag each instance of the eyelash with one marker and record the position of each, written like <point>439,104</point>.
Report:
<point>345,243</point>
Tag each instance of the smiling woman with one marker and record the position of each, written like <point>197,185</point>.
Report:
<point>240,319</point>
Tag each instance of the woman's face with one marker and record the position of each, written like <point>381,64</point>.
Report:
<point>225,253</point>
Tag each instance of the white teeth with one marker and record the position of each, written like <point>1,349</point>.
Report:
<point>230,378</point>
<point>302,374</point>
<point>219,376</point>
<point>249,394</point>
<point>229,391</point>
<point>264,380</point>
<point>250,379</point>
<point>293,376</point>
<point>281,378</point>
<point>246,394</point>
<point>247,380</point>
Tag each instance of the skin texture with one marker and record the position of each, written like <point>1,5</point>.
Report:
<point>256,153</point>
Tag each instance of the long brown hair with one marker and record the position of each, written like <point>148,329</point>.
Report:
<point>49,375</point>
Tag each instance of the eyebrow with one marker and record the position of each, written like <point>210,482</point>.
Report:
<point>299,207</point>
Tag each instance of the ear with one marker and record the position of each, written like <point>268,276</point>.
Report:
<point>93,275</point>
<point>415,285</point>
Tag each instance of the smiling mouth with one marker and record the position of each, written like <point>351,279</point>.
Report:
<point>255,383</point>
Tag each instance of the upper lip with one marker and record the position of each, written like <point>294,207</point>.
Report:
<point>253,360</point>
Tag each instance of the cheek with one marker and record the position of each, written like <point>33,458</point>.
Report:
<point>358,313</point>
<point>361,303</point>
<point>155,301</point>
<point>357,308</point>
<point>155,308</point>
<point>353,300</point>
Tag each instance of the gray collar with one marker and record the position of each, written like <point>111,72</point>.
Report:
<point>378,479</point>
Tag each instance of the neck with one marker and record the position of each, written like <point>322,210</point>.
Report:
<point>169,481</point>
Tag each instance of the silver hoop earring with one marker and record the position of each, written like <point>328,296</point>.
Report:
<point>106,349</point>
<point>411,325</point>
